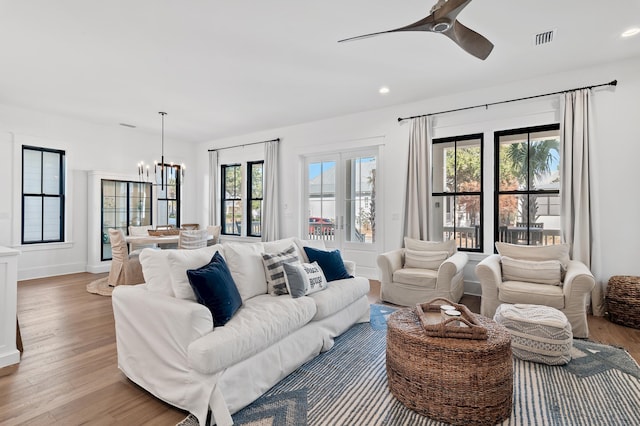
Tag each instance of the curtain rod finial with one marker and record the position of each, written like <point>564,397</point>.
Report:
<point>614,83</point>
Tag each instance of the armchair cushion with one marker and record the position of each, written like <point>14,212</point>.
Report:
<point>426,278</point>
<point>413,244</point>
<point>532,293</point>
<point>422,259</point>
<point>558,252</point>
<point>534,271</point>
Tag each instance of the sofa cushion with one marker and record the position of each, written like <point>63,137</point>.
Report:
<point>316,244</point>
<point>553,252</point>
<point>413,244</point>
<point>303,279</point>
<point>180,261</point>
<point>260,322</point>
<point>338,295</point>
<point>532,293</point>
<point>423,259</point>
<point>274,270</point>
<point>245,263</point>
<point>156,271</point>
<point>330,262</point>
<point>417,277</point>
<point>538,271</point>
<point>215,289</point>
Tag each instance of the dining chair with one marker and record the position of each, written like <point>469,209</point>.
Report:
<point>140,231</point>
<point>125,266</point>
<point>192,239</point>
<point>214,232</point>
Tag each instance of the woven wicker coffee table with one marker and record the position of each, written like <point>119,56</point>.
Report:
<point>458,381</point>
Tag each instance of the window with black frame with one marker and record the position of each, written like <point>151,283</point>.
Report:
<point>527,201</point>
<point>255,194</point>
<point>43,195</point>
<point>168,187</point>
<point>457,190</point>
<point>231,199</point>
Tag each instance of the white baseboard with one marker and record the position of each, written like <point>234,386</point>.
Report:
<point>50,271</point>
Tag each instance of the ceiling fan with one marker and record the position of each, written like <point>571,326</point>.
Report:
<point>443,20</point>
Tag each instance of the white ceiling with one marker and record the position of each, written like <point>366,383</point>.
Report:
<point>230,67</point>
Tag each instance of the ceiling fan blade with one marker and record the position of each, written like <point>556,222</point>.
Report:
<point>424,24</point>
<point>450,9</point>
<point>469,40</point>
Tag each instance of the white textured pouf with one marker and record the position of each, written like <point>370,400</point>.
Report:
<point>538,333</point>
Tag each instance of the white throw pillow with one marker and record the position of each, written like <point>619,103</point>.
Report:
<point>533,271</point>
<point>413,244</point>
<point>245,263</point>
<point>316,244</point>
<point>181,260</point>
<point>558,252</point>
<point>421,259</point>
<point>156,271</point>
<point>303,279</point>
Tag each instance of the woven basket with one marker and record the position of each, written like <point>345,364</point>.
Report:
<point>435,326</point>
<point>623,300</point>
<point>458,381</point>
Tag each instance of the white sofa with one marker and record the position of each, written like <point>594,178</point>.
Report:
<point>168,345</point>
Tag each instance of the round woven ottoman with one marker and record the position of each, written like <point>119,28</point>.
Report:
<point>623,300</point>
<point>458,381</point>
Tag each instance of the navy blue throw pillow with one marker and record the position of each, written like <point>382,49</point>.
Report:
<point>214,288</point>
<point>330,262</point>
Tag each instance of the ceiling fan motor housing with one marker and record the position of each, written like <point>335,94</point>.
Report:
<point>441,26</point>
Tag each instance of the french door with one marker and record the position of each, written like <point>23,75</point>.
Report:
<point>341,199</point>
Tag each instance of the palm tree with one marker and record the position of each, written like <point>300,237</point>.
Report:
<point>531,162</point>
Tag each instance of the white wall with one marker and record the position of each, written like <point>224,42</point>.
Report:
<point>617,130</point>
<point>116,149</point>
<point>88,147</point>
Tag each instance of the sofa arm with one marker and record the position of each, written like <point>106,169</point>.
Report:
<point>489,273</point>
<point>153,325</point>
<point>578,279</point>
<point>452,266</point>
<point>388,263</point>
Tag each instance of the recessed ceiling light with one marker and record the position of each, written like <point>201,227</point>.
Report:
<point>383,90</point>
<point>631,32</point>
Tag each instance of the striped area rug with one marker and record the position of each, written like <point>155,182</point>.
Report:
<point>348,386</point>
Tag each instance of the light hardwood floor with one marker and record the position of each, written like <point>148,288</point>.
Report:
<point>68,374</point>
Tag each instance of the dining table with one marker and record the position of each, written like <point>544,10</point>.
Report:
<point>158,240</point>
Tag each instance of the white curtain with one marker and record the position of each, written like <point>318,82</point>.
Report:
<point>578,208</point>
<point>213,188</point>
<point>418,197</point>
<point>270,214</point>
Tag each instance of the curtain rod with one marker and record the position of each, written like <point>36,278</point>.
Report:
<point>246,144</point>
<point>611,83</point>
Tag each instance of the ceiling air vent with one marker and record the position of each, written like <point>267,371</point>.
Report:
<point>544,38</point>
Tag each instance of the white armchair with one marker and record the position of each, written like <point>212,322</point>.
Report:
<point>422,271</point>
<point>526,274</point>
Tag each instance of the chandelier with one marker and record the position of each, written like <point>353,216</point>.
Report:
<point>161,167</point>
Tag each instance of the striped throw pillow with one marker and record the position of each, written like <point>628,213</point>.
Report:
<point>273,269</point>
